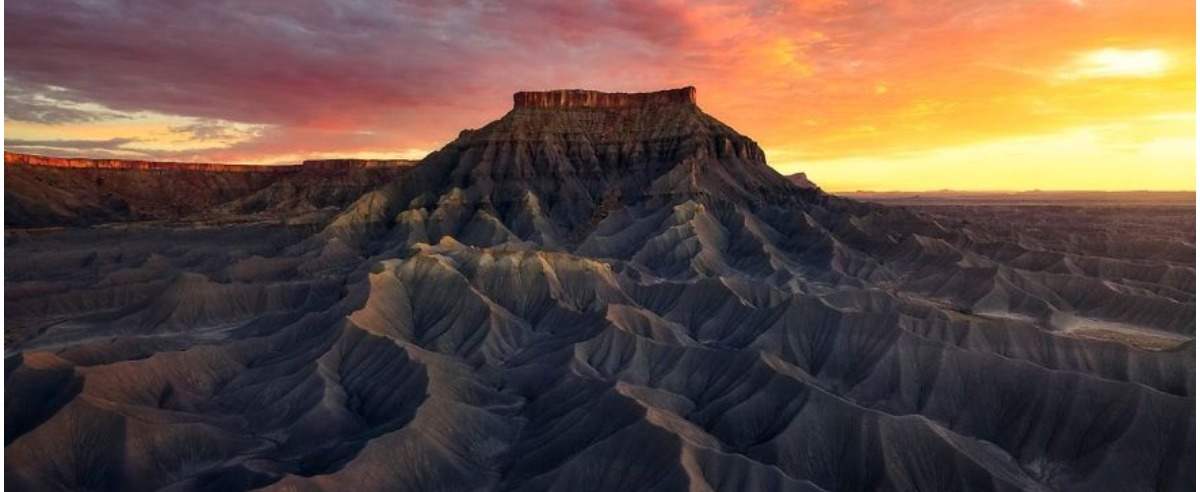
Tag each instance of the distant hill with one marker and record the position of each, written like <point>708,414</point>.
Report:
<point>45,191</point>
<point>1035,197</point>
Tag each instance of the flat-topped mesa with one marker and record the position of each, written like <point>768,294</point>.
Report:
<point>576,98</point>
<point>342,164</point>
<point>323,165</point>
<point>16,159</point>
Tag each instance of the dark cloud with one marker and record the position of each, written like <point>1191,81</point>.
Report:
<point>46,112</point>
<point>111,147</point>
<point>210,130</point>
<point>365,64</point>
<point>47,107</point>
<point>90,153</point>
<point>111,143</point>
<point>106,144</point>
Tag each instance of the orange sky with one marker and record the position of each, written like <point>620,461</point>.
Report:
<point>871,95</point>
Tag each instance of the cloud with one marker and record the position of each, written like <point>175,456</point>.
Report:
<point>307,63</point>
<point>106,144</point>
<point>216,131</point>
<point>110,147</point>
<point>1116,62</point>
<point>328,66</point>
<point>49,106</point>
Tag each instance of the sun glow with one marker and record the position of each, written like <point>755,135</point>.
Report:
<point>1098,157</point>
<point>1114,62</point>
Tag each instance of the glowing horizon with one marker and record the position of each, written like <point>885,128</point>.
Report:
<point>890,96</point>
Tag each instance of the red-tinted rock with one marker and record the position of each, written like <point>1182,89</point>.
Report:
<point>575,98</point>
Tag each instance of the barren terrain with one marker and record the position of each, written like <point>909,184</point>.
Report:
<point>606,292</point>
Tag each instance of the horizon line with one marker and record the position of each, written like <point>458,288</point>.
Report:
<point>1010,191</point>
<point>830,191</point>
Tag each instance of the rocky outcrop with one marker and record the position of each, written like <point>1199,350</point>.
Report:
<point>576,99</point>
<point>801,180</point>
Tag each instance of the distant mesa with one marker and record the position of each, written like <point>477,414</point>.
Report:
<point>19,159</point>
<point>576,98</point>
<point>43,191</point>
<point>336,164</point>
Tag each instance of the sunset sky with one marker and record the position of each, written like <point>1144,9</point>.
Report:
<point>871,95</point>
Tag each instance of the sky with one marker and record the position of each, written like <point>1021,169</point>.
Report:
<point>860,95</point>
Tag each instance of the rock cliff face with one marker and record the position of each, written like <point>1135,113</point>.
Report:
<point>574,99</point>
<point>600,295</point>
<point>16,159</point>
<point>51,191</point>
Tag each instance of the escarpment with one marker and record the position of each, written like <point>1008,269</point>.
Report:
<point>52,191</point>
<point>575,99</point>
<point>30,160</point>
<point>18,159</point>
